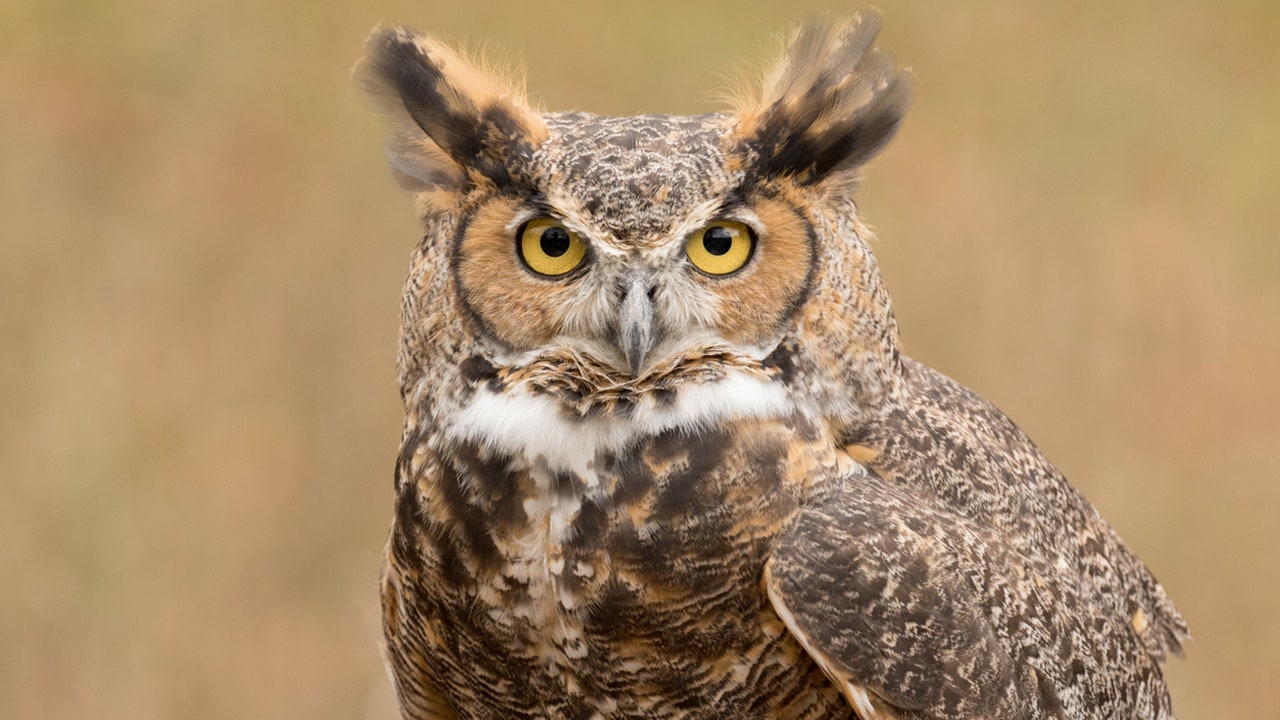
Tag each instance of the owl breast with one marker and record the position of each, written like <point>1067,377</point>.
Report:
<point>583,566</point>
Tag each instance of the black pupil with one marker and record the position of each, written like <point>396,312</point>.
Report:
<point>554,241</point>
<point>717,240</point>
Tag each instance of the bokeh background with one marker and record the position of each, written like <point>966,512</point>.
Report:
<point>200,267</point>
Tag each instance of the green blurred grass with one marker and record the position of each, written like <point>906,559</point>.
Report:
<point>200,274</point>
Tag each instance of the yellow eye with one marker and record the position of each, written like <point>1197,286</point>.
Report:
<point>721,247</point>
<point>549,248</point>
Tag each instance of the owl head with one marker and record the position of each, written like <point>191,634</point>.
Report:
<point>608,261</point>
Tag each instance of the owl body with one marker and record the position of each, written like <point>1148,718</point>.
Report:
<point>614,591</point>
<point>663,456</point>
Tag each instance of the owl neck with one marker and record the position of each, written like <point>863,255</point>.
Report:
<point>846,329</point>
<point>852,359</point>
<point>514,416</point>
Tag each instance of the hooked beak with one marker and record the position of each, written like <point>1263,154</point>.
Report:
<point>635,324</point>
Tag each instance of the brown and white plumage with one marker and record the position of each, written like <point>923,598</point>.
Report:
<point>634,483</point>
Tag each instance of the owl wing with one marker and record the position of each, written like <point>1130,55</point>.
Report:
<point>406,650</point>
<point>916,612</point>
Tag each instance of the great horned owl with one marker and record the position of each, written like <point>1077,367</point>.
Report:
<point>662,455</point>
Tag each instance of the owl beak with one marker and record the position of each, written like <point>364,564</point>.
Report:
<point>635,324</point>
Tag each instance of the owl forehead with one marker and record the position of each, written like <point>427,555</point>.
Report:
<point>634,179</point>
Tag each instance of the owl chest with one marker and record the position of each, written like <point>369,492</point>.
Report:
<point>609,587</point>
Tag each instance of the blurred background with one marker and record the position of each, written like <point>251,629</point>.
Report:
<point>199,279</point>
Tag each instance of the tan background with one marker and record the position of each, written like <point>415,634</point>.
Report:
<point>200,273</point>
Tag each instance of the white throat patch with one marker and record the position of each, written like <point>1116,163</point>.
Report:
<point>520,423</point>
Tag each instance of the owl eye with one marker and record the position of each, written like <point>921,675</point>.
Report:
<point>720,248</point>
<point>549,248</point>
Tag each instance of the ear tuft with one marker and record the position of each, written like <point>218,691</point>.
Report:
<point>454,124</point>
<point>832,102</point>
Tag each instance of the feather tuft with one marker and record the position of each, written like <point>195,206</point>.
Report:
<point>455,122</point>
<point>828,105</point>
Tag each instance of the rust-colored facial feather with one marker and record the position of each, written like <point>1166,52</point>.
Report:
<point>524,311</point>
<point>511,302</point>
<point>756,303</point>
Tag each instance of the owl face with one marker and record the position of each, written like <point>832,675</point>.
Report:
<point>626,251</point>
<point>635,246</point>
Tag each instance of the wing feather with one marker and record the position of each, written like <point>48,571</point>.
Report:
<point>406,648</point>
<point>931,615</point>
<point>872,585</point>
